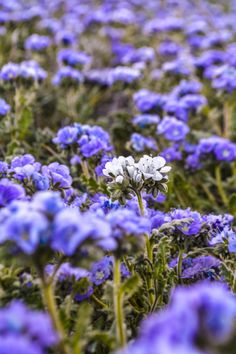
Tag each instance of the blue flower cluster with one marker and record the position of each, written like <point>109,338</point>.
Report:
<point>201,315</point>
<point>24,331</point>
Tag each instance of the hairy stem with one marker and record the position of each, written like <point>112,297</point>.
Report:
<point>219,185</point>
<point>50,304</point>
<point>118,306</point>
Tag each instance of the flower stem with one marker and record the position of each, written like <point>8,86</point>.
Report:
<point>220,185</point>
<point>149,249</point>
<point>50,304</point>
<point>84,166</point>
<point>118,306</point>
<point>228,112</point>
<point>140,203</point>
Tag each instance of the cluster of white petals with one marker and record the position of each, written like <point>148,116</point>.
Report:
<point>147,167</point>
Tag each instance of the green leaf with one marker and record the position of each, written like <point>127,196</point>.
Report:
<point>131,285</point>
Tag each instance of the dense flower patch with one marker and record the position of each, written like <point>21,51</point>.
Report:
<point>117,177</point>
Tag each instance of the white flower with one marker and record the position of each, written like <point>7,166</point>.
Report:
<point>118,167</point>
<point>153,167</point>
<point>119,179</point>
<point>125,168</point>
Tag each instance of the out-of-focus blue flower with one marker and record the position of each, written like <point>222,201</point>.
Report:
<point>65,37</point>
<point>186,87</point>
<point>172,129</point>
<point>144,120</point>
<point>9,72</point>
<point>205,309</point>
<point>232,241</point>
<point>101,270</point>
<point>26,228</point>
<point>71,229</point>
<point>146,100</point>
<point>169,48</point>
<point>73,58</point>
<point>126,222</point>
<point>124,74</point>
<point>10,191</point>
<point>141,143</point>
<point>66,74</point>
<point>35,42</point>
<point>47,202</point>
<point>4,107</point>
<point>209,58</point>
<point>171,153</point>
<point>23,331</point>
<point>224,79</point>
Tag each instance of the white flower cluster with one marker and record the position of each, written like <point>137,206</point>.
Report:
<point>147,168</point>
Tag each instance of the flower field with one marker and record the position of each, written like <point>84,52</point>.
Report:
<point>117,177</point>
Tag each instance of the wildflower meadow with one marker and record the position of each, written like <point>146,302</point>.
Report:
<point>117,177</point>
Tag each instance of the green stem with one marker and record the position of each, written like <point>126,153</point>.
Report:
<point>220,185</point>
<point>234,283</point>
<point>227,119</point>
<point>99,302</point>
<point>149,250</point>
<point>118,306</point>
<point>85,169</point>
<point>50,304</point>
<point>140,203</point>
<point>179,265</point>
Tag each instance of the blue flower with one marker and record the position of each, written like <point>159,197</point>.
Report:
<point>172,129</point>
<point>26,228</point>
<point>4,107</point>
<point>10,191</point>
<point>141,143</point>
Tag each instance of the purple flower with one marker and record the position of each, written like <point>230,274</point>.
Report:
<point>58,174</point>
<point>225,151</point>
<point>187,87</point>
<point>169,48</point>
<point>126,222</point>
<point>205,310</point>
<point>4,107</point>
<point>73,58</point>
<point>24,166</point>
<point>40,182</point>
<point>10,191</point>
<point>144,120</point>
<point>67,75</point>
<point>9,72</point>
<point>146,100</point>
<point>72,229</point>
<point>141,143</point>
<point>193,226</point>
<point>47,202</point>
<point>35,42</point>
<point>124,74</point>
<point>93,141</point>
<point>67,135</point>
<point>101,270</point>
<point>26,228</point>
<point>171,154</point>
<point>172,129</point>
<point>225,79</point>
<point>200,265</point>
<point>23,331</point>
